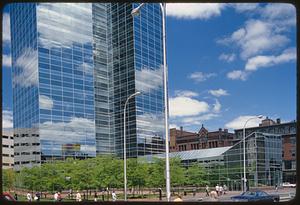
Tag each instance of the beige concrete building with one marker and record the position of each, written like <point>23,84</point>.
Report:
<point>7,150</point>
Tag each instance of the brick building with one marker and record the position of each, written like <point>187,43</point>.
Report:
<point>288,132</point>
<point>181,140</point>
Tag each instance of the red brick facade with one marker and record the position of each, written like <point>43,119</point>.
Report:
<point>181,140</point>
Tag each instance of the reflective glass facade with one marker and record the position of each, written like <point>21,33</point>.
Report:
<point>148,59</point>
<point>225,165</point>
<point>74,65</point>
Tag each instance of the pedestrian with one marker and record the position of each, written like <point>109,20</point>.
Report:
<point>276,187</point>
<point>55,196</point>
<point>224,188</point>
<point>102,195</point>
<point>38,196</point>
<point>59,198</point>
<point>217,189</point>
<point>29,197</point>
<point>194,192</point>
<point>207,190</point>
<point>16,196</point>
<point>113,196</point>
<point>78,196</point>
<point>221,190</point>
<point>160,194</point>
<point>178,198</point>
<point>95,196</point>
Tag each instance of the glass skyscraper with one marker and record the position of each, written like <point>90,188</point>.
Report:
<point>73,66</point>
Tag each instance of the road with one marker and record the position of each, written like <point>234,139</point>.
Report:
<point>285,194</point>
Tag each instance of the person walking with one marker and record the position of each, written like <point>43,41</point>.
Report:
<point>221,190</point>
<point>59,198</point>
<point>78,196</point>
<point>207,190</point>
<point>102,195</point>
<point>55,196</point>
<point>276,187</point>
<point>217,189</point>
<point>29,197</point>
<point>16,196</point>
<point>160,194</point>
<point>225,188</point>
<point>113,196</point>
<point>95,196</point>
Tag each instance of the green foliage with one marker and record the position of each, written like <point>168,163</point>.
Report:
<point>177,172</point>
<point>8,179</point>
<point>102,172</point>
<point>196,175</point>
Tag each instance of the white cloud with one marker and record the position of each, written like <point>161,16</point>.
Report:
<point>194,10</point>
<point>149,79</point>
<point>198,120</point>
<point>279,11</point>
<point>174,126</point>
<point>52,32</point>
<point>219,92</point>
<point>227,57</point>
<point>217,106</point>
<point>237,75</point>
<point>153,121</point>
<point>267,61</point>
<point>239,122</point>
<point>245,7</point>
<point>77,130</point>
<point>185,106</point>
<point>6,28</point>
<point>6,61</point>
<point>200,77</point>
<point>7,119</point>
<point>256,37</point>
<point>28,63</point>
<point>86,68</point>
<point>186,93</point>
<point>45,102</point>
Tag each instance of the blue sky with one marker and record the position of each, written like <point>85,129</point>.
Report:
<point>227,62</point>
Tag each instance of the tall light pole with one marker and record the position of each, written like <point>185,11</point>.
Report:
<point>125,176</point>
<point>136,12</point>
<point>244,149</point>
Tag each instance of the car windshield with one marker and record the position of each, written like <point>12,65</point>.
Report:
<point>249,193</point>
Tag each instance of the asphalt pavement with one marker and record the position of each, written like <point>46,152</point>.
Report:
<point>285,194</point>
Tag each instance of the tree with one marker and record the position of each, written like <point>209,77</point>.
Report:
<point>196,175</point>
<point>156,176</point>
<point>8,179</point>
<point>177,172</point>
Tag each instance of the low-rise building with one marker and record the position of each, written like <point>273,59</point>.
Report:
<point>225,165</point>
<point>181,140</point>
<point>287,131</point>
<point>7,150</point>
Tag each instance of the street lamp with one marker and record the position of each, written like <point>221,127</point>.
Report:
<point>136,12</point>
<point>244,149</point>
<point>125,177</point>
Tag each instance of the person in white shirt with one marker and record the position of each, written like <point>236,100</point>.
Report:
<point>221,190</point>
<point>78,196</point>
<point>218,189</point>
<point>114,196</point>
<point>55,196</point>
<point>29,197</point>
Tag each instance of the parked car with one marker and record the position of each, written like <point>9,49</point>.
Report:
<point>257,195</point>
<point>288,184</point>
<point>7,197</point>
